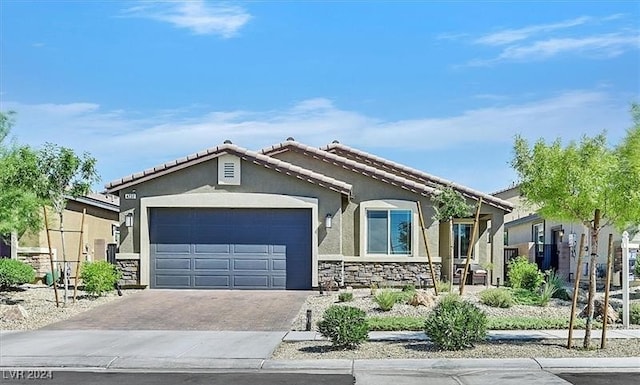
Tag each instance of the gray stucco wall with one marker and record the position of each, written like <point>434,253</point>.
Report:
<point>202,178</point>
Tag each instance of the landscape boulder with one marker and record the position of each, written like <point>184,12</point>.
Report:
<point>13,313</point>
<point>422,299</point>
<point>598,312</point>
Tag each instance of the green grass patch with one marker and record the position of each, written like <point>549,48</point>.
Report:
<point>494,323</point>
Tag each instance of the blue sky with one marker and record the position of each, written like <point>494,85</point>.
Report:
<point>440,86</point>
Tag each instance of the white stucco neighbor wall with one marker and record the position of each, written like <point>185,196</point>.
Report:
<point>225,200</point>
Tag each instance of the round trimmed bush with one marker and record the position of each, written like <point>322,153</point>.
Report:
<point>14,273</point>
<point>497,298</point>
<point>345,326</point>
<point>524,274</point>
<point>99,277</point>
<point>455,324</point>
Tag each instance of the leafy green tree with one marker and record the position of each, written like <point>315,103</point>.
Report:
<point>585,181</point>
<point>64,174</point>
<point>20,204</point>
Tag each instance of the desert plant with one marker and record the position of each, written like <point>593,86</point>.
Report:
<point>634,313</point>
<point>406,294</point>
<point>546,294</point>
<point>345,326</point>
<point>385,300</point>
<point>455,324</point>
<point>99,277</point>
<point>525,297</point>
<point>524,274</point>
<point>345,296</point>
<point>14,273</point>
<point>409,288</point>
<point>497,298</point>
<point>442,286</point>
<point>556,280</point>
<point>636,268</point>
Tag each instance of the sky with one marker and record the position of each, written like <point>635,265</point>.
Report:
<point>443,87</point>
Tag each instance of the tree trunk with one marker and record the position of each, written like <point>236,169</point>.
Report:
<point>595,229</point>
<point>64,261</point>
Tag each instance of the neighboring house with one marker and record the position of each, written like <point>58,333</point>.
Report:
<point>100,228</point>
<point>290,216</point>
<point>554,244</point>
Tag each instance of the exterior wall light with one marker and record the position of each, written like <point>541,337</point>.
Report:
<point>128,220</point>
<point>327,221</point>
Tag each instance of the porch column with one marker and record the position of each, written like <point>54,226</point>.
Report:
<point>497,247</point>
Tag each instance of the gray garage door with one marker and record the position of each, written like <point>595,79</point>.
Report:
<point>230,248</point>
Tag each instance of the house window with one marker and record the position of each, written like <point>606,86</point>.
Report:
<point>462,239</point>
<point>538,237</point>
<point>389,232</point>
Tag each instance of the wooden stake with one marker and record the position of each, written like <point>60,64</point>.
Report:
<point>603,339</point>
<point>80,242</point>
<point>463,279</point>
<point>426,245</point>
<point>576,286</point>
<point>53,271</point>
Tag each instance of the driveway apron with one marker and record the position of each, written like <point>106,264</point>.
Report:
<point>217,310</point>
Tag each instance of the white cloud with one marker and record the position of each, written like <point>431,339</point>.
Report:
<point>124,143</point>
<point>199,16</point>
<point>598,46</point>
<point>508,36</point>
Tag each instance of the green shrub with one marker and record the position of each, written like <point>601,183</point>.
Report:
<point>455,324</point>
<point>409,288</point>
<point>442,286</point>
<point>636,268</point>
<point>525,297</point>
<point>14,273</point>
<point>99,277</point>
<point>395,323</point>
<point>345,296</point>
<point>546,294</point>
<point>524,274</point>
<point>404,296</point>
<point>497,298</point>
<point>345,326</point>
<point>634,313</point>
<point>385,299</point>
<point>556,280</point>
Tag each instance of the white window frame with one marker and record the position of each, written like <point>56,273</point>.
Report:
<point>389,205</point>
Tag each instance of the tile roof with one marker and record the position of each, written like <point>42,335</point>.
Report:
<point>247,155</point>
<point>341,154</point>
<point>373,172</point>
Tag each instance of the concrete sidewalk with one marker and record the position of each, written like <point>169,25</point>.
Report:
<point>213,350</point>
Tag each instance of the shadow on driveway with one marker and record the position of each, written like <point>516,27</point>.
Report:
<point>245,310</point>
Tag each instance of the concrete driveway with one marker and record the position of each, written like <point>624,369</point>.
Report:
<point>210,310</point>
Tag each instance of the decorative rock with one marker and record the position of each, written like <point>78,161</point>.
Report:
<point>14,313</point>
<point>598,312</point>
<point>422,298</point>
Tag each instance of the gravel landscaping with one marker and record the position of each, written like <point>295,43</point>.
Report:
<point>318,303</point>
<point>39,304</point>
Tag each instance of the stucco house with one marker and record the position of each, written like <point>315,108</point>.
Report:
<point>554,244</point>
<point>291,217</point>
<point>101,227</point>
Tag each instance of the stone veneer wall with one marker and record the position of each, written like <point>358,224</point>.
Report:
<point>39,262</point>
<point>130,272</point>
<point>363,274</point>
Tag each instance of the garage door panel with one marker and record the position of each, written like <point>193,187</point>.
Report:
<point>279,265</point>
<point>277,281</point>
<point>203,248</point>
<point>212,264</point>
<point>212,281</point>
<point>172,248</point>
<point>173,263</point>
<point>173,280</point>
<point>250,249</point>
<point>251,281</point>
<point>251,264</point>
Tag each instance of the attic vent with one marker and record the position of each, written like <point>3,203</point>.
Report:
<point>228,170</point>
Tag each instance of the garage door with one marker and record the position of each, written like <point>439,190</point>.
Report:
<point>230,248</point>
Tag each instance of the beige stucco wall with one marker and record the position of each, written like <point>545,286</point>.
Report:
<point>97,226</point>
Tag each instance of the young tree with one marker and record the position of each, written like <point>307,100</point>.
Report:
<point>64,174</point>
<point>449,204</point>
<point>19,202</point>
<point>587,182</point>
